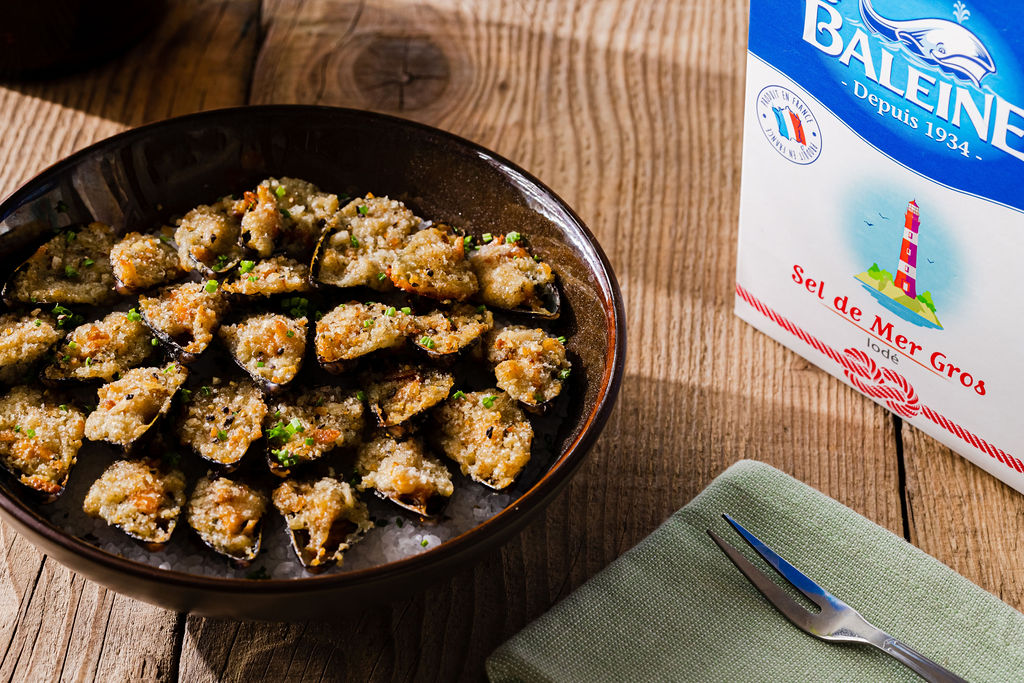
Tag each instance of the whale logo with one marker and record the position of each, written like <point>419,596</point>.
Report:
<point>945,44</point>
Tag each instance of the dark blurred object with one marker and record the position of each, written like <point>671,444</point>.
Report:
<point>41,38</point>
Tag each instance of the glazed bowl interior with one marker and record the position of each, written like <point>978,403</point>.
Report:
<point>143,178</point>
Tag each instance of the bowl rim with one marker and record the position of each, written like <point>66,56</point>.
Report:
<point>557,474</point>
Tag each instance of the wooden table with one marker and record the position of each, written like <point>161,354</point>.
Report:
<point>629,110</point>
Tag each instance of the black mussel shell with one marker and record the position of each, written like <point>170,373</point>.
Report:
<point>431,507</point>
<point>239,561</point>
<point>341,531</point>
<point>550,303</point>
<point>174,347</point>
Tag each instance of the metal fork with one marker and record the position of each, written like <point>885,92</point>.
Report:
<point>836,621</point>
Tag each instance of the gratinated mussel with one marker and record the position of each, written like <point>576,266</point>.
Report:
<point>143,261</point>
<point>323,518</point>
<point>207,238</point>
<point>183,317</point>
<point>268,346</point>
<point>404,473</point>
<point>444,334</point>
<point>24,341</point>
<point>71,268</point>
<point>269,276</point>
<point>140,498</point>
<point>302,427</point>
<point>227,517</point>
<point>39,439</point>
<point>221,421</point>
<point>529,365</point>
<point>432,263</point>
<point>487,434</point>
<point>512,279</point>
<point>361,247</point>
<point>101,349</point>
<point>397,396</point>
<point>129,406</point>
<point>285,215</point>
<point>353,330</point>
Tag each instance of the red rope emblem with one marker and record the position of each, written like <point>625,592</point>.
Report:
<point>882,384</point>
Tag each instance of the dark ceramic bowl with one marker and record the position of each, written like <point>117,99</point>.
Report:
<point>141,178</point>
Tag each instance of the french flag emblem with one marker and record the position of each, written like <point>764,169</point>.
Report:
<point>789,125</point>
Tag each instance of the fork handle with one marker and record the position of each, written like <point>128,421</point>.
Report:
<point>923,666</point>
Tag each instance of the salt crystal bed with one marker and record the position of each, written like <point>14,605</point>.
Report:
<point>397,535</point>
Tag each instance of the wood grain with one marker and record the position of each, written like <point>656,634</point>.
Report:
<point>54,624</point>
<point>630,111</point>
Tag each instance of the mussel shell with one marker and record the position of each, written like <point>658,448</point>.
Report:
<point>315,261</point>
<point>239,561</point>
<point>171,345</point>
<point>7,293</point>
<point>265,385</point>
<point>445,359</point>
<point>47,495</point>
<point>209,271</point>
<point>551,299</point>
<point>342,531</point>
<point>149,544</point>
<point>400,430</point>
<point>431,507</point>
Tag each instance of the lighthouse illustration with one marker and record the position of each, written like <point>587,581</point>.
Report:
<point>906,273</point>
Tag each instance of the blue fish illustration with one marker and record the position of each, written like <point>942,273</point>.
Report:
<point>945,44</point>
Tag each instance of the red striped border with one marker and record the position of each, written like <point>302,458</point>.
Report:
<point>881,384</point>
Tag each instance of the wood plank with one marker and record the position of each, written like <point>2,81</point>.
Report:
<point>630,112</point>
<point>54,624</point>
<point>965,517</point>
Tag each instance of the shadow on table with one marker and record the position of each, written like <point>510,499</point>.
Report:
<point>664,443</point>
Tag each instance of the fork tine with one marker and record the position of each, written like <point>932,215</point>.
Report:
<point>789,607</point>
<point>803,583</point>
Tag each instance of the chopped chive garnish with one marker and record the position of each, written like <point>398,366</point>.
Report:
<point>536,257</point>
<point>211,286</point>
<point>260,364</point>
<point>513,237</point>
<point>459,394</point>
<point>390,312</point>
<point>17,428</point>
<point>252,278</point>
<point>88,361</point>
<point>481,309</point>
<point>564,373</point>
<point>319,402</point>
<point>206,390</point>
<point>186,395</point>
<point>134,315</point>
<point>30,433</point>
<point>561,339</point>
<point>222,435</point>
<point>88,262</point>
<point>70,272</point>
<point>154,341</point>
<point>246,266</point>
<point>487,401</point>
<point>354,241</point>
<point>289,333</point>
<point>63,407</point>
<point>296,425</point>
<point>72,344</point>
<point>467,241</point>
<point>363,210</point>
<point>427,342</point>
<point>70,236</point>
<point>37,323</point>
<point>279,191</point>
<point>367,323</point>
<point>309,441</point>
<point>381,276</point>
<point>487,237</point>
<point>406,310</point>
<point>284,212</point>
<point>424,543</point>
<point>165,239</point>
<point>361,395</point>
<point>62,207</point>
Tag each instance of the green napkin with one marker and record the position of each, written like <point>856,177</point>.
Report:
<point>675,609</point>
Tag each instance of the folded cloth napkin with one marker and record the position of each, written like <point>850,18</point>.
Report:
<point>675,609</point>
